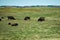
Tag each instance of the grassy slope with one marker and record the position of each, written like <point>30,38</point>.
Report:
<point>30,30</point>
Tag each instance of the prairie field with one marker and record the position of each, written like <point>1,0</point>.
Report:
<point>31,29</point>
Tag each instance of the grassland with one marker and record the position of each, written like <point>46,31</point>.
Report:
<point>32,29</point>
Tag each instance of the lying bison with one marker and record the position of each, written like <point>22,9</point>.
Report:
<point>27,18</point>
<point>41,19</point>
<point>2,17</point>
<point>11,18</point>
<point>14,24</point>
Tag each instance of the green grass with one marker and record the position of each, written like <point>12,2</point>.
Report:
<point>32,29</point>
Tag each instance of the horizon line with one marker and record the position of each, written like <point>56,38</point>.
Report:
<point>29,5</point>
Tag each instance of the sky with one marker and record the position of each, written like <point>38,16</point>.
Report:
<point>28,2</point>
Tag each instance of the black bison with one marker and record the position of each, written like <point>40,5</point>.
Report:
<point>41,19</point>
<point>14,24</point>
<point>0,19</point>
<point>27,18</point>
<point>11,18</point>
<point>9,23</point>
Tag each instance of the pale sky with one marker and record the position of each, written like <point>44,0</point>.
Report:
<point>29,2</point>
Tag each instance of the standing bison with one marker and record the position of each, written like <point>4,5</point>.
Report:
<point>27,18</point>
<point>41,19</point>
<point>11,18</point>
<point>0,19</point>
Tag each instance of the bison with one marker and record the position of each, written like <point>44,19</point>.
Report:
<point>27,18</point>
<point>9,23</point>
<point>11,18</point>
<point>14,24</point>
<point>41,19</point>
<point>0,19</point>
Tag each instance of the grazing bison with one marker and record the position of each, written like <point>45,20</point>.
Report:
<point>0,19</point>
<point>9,23</point>
<point>27,18</point>
<point>41,19</point>
<point>15,24</point>
<point>11,18</point>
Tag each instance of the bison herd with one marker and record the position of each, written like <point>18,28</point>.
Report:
<point>26,18</point>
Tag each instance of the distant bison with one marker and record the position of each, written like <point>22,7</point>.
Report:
<point>27,18</point>
<point>0,19</point>
<point>41,19</point>
<point>11,18</point>
<point>9,23</point>
<point>14,24</point>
